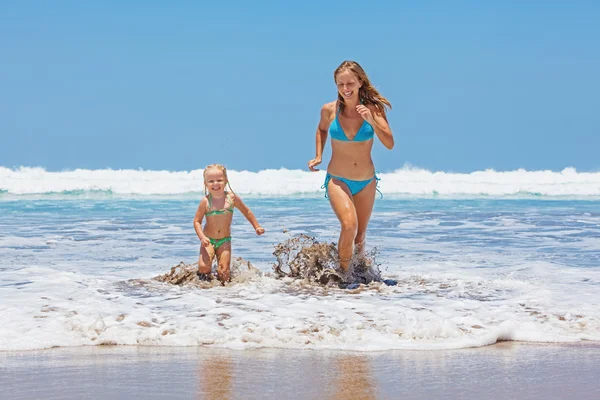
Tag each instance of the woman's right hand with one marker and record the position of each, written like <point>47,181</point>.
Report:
<point>313,163</point>
<point>205,242</point>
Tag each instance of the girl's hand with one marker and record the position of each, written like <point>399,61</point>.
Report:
<point>365,113</point>
<point>205,242</point>
<point>260,230</point>
<point>313,163</point>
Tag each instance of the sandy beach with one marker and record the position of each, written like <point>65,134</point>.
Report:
<point>503,371</point>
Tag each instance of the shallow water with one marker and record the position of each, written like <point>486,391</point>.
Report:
<point>470,272</point>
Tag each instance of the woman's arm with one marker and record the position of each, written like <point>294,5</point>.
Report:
<point>379,122</point>
<point>322,132</point>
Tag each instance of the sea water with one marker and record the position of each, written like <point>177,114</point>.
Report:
<point>476,259</point>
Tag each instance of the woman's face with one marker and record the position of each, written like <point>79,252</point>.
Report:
<point>347,84</point>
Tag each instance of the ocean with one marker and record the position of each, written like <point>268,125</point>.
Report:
<point>477,258</point>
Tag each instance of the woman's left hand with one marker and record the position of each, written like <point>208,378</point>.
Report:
<point>365,113</point>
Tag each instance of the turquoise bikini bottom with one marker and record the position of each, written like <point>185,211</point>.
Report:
<point>354,186</point>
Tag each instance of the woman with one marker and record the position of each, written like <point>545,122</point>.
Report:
<point>353,120</point>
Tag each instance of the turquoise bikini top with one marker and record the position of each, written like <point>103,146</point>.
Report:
<point>365,132</point>
<point>221,211</point>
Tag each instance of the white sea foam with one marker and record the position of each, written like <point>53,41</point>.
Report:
<point>78,272</point>
<point>281,182</point>
<point>423,312</point>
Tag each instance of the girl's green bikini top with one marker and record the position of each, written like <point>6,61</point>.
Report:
<point>222,210</point>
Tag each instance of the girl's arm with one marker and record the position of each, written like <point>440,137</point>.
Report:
<point>239,204</point>
<point>200,212</point>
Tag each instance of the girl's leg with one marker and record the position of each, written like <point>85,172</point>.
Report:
<point>224,257</point>
<point>205,260</point>
<point>363,203</point>
<point>340,199</point>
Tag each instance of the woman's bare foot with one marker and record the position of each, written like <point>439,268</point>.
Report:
<point>205,277</point>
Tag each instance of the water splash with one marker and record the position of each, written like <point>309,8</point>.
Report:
<point>187,274</point>
<point>304,257</point>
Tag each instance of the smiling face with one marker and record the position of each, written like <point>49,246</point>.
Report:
<point>347,84</point>
<point>215,181</point>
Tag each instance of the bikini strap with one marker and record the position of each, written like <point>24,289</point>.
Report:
<point>377,179</point>
<point>327,179</point>
<point>340,107</point>
<point>228,197</point>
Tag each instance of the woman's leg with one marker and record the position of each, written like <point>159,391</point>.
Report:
<point>363,203</point>
<point>340,199</point>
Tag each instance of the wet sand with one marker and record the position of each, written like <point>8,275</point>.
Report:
<point>503,371</point>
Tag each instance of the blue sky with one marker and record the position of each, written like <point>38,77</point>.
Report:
<point>177,85</point>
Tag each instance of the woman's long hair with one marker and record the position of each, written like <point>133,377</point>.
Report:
<point>367,92</point>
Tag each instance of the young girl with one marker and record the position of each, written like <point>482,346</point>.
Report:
<point>217,206</point>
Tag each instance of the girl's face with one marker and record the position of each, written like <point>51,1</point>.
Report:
<point>347,84</point>
<point>215,181</point>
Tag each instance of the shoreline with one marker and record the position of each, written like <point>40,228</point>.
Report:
<point>500,344</point>
<point>499,371</point>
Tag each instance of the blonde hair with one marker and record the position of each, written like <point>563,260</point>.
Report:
<point>221,168</point>
<point>367,92</point>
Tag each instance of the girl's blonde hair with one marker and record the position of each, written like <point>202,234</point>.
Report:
<point>367,92</point>
<point>221,168</point>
